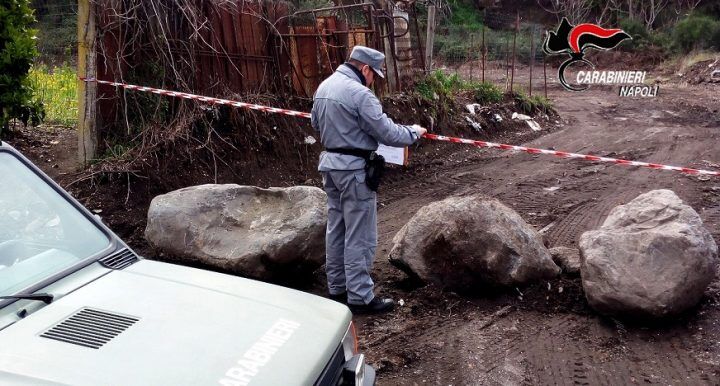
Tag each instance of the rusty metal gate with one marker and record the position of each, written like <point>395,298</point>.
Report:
<point>256,46</point>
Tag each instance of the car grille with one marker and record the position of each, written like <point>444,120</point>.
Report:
<point>333,371</point>
<point>90,328</point>
<point>120,259</point>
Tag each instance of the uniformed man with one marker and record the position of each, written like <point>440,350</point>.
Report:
<point>351,123</point>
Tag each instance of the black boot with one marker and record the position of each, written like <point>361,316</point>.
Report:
<point>340,298</point>
<point>376,306</point>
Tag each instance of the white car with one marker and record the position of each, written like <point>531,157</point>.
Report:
<point>79,307</point>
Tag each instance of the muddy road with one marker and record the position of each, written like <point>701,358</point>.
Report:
<point>546,334</point>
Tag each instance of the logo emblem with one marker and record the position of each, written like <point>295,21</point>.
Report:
<point>574,40</point>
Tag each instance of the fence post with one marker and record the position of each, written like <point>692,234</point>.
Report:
<point>484,52</point>
<point>471,55</point>
<point>507,63</point>
<point>417,36</point>
<point>87,92</point>
<point>430,41</point>
<point>545,68</point>
<point>532,57</point>
<point>517,29</point>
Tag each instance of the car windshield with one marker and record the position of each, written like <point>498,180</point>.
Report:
<point>41,233</point>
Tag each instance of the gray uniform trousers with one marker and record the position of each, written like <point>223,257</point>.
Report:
<point>351,236</point>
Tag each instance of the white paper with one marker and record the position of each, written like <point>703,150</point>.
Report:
<point>393,155</point>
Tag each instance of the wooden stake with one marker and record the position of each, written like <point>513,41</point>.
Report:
<point>532,58</point>
<point>87,91</point>
<point>484,52</point>
<point>507,63</point>
<point>430,41</point>
<point>545,72</point>
<point>512,74</point>
<point>471,55</point>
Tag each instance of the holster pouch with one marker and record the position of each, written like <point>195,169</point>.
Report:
<point>374,169</point>
<point>374,164</point>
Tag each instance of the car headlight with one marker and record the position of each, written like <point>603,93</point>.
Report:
<point>349,342</point>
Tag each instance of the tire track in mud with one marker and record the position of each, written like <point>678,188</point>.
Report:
<point>557,351</point>
<point>534,346</point>
<point>711,217</point>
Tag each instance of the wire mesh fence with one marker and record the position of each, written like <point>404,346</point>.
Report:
<point>53,76</point>
<point>57,31</point>
<point>504,51</point>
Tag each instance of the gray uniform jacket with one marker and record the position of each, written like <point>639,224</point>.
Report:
<point>348,115</point>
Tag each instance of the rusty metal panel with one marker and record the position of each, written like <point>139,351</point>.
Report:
<point>305,58</point>
<point>253,45</point>
<point>234,78</point>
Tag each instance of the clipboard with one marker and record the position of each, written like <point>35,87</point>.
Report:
<point>394,155</point>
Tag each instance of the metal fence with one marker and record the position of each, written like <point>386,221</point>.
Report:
<point>252,46</point>
<point>503,50</point>
<point>53,77</point>
<point>57,31</point>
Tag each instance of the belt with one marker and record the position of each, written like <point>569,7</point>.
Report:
<point>362,153</point>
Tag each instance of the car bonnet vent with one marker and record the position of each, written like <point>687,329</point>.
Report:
<point>90,328</point>
<point>120,259</point>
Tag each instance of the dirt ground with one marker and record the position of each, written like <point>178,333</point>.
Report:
<point>546,333</point>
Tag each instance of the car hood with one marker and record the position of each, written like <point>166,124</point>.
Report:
<point>192,327</point>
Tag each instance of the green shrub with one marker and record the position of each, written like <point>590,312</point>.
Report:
<point>438,85</point>
<point>715,39</point>
<point>454,53</point>
<point>17,51</point>
<point>532,105</point>
<point>642,39</point>
<point>464,12</point>
<point>636,30</point>
<point>486,93</point>
<point>696,32</point>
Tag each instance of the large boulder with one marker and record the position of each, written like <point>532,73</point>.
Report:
<point>254,232</point>
<point>466,243</point>
<point>567,258</point>
<point>651,258</point>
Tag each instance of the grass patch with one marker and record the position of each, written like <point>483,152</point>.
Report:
<point>693,58</point>
<point>532,105</point>
<point>56,89</point>
<point>440,86</point>
<point>486,93</point>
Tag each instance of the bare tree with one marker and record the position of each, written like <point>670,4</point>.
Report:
<point>643,11</point>
<point>576,11</point>
<point>684,7</point>
<point>650,10</point>
<point>605,13</point>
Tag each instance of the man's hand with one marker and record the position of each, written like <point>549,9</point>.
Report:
<point>419,130</point>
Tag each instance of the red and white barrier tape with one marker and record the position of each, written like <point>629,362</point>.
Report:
<point>434,137</point>
<point>201,98</point>
<point>563,154</point>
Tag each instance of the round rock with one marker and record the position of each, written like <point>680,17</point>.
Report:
<point>466,243</point>
<point>651,258</point>
<point>254,232</point>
